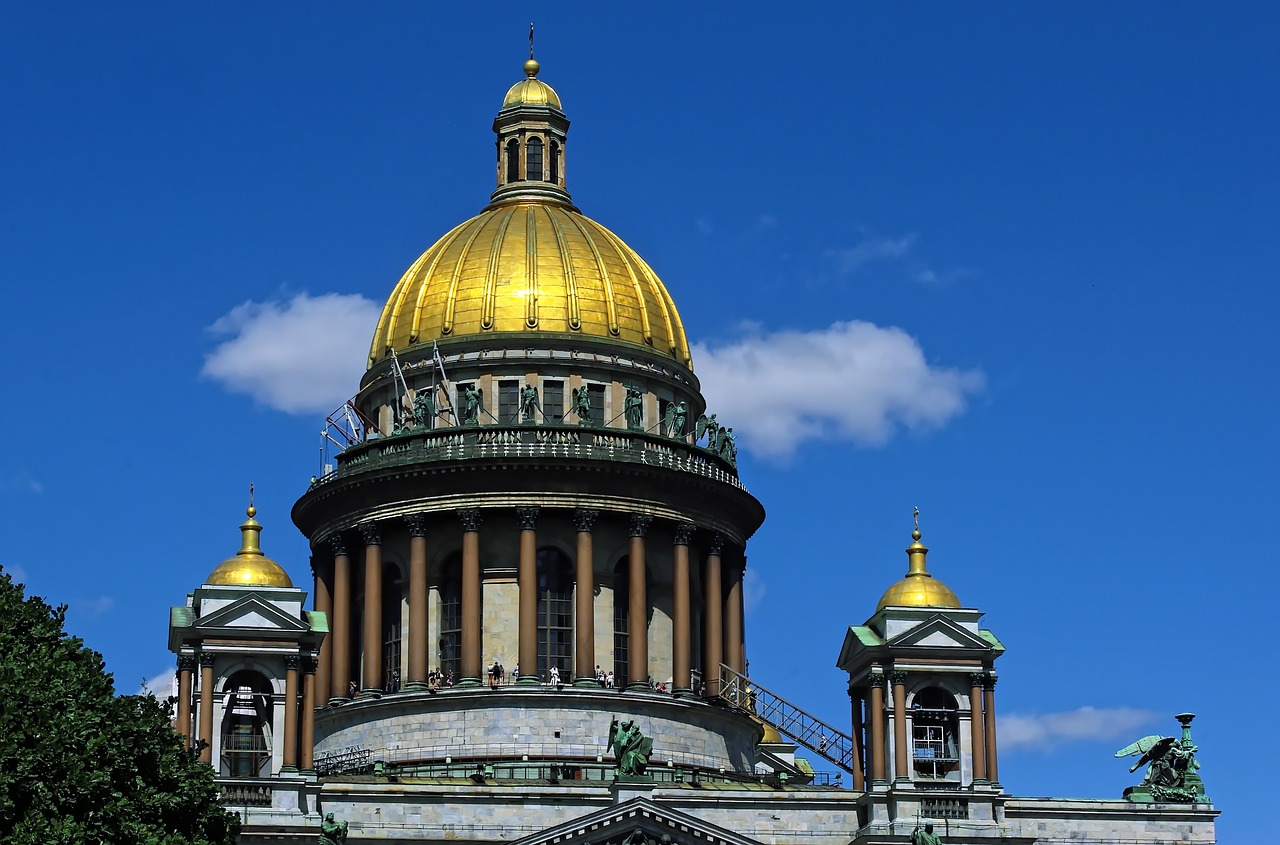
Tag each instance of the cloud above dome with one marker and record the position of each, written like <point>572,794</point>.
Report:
<point>301,356</point>
<point>851,381</point>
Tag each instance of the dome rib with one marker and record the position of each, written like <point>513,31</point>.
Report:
<point>451,298</point>
<point>571,285</point>
<point>415,332</point>
<point>491,275</point>
<point>611,304</point>
<point>530,268</point>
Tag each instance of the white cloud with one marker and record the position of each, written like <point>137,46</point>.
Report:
<point>302,356</point>
<point>851,259</point>
<point>1084,724</point>
<point>162,685</point>
<point>853,381</point>
<point>22,482</point>
<point>753,590</point>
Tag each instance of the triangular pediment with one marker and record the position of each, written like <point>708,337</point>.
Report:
<point>941,633</point>
<point>638,821</point>
<point>251,614</point>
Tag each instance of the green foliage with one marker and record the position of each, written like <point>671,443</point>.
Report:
<point>79,764</point>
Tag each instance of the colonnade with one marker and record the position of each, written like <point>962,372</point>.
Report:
<point>982,729</point>
<point>299,728</point>
<point>723,636</point>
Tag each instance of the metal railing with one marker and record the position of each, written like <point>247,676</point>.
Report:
<point>745,695</point>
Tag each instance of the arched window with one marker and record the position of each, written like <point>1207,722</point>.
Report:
<point>451,619</point>
<point>513,161</point>
<point>246,726</point>
<point>533,160</point>
<point>621,619</point>
<point>554,176</point>
<point>934,730</point>
<point>555,613</point>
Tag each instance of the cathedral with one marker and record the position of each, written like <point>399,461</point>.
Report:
<point>527,617</point>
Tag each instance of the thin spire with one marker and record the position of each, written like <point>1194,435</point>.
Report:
<point>531,40</point>
<point>915,516</point>
<point>252,510</point>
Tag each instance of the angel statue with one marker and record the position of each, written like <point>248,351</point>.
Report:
<point>582,406</point>
<point>472,404</point>
<point>1171,766</point>
<point>631,747</point>
<point>332,832</point>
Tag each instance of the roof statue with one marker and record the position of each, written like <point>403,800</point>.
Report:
<point>925,835</point>
<point>631,747</point>
<point>1171,768</point>
<point>332,832</point>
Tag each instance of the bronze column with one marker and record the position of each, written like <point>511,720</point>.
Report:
<point>309,683</point>
<point>323,571</point>
<point>712,642</point>
<point>733,653</point>
<point>977,736</point>
<point>289,760</point>
<point>528,578</point>
<point>206,707</point>
<point>186,663</point>
<point>371,675</point>
<point>340,679</point>
<point>899,680</point>
<point>989,727</point>
<point>638,611</point>
<point>417,601</point>
<point>584,593</point>
<point>681,685</point>
<point>878,776</point>
<point>470,658</point>
<point>855,702</point>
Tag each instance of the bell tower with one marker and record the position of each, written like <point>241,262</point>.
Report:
<point>531,130</point>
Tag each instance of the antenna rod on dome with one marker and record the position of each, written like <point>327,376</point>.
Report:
<point>531,40</point>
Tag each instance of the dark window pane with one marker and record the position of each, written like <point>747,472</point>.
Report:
<point>513,161</point>
<point>552,401</point>
<point>508,402</point>
<point>533,160</point>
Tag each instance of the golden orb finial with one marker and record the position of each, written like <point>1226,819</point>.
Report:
<point>531,68</point>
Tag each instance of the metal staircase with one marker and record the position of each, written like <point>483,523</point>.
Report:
<point>742,694</point>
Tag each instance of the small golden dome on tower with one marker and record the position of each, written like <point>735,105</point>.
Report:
<point>918,588</point>
<point>532,91</point>
<point>250,567</point>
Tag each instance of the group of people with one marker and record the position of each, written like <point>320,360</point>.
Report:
<point>437,679</point>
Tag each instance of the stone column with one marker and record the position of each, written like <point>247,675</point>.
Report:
<point>855,703</point>
<point>638,611</point>
<point>186,663</point>
<point>584,594</point>
<point>989,727</point>
<point>878,775</point>
<point>714,630</point>
<point>323,571</point>
<point>528,577</point>
<point>289,762</point>
<point>417,601</point>
<point>206,707</point>
<point>681,685</point>
<point>371,676</point>
<point>900,771</point>
<point>733,651</point>
<point>470,658</point>
<point>977,736</point>
<point>340,633</point>
<point>310,682</point>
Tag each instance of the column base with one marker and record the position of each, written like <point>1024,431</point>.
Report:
<point>529,681</point>
<point>903,783</point>
<point>979,783</point>
<point>338,700</point>
<point>415,686</point>
<point>683,692</point>
<point>370,692</point>
<point>467,683</point>
<point>288,770</point>
<point>588,683</point>
<point>637,686</point>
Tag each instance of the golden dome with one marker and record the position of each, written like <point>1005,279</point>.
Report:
<point>530,265</point>
<point>770,732</point>
<point>918,588</point>
<point>250,567</point>
<point>531,92</point>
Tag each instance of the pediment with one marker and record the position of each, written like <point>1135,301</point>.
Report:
<point>940,633</point>
<point>638,821</point>
<point>253,614</point>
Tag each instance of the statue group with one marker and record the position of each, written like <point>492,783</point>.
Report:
<point>332,832</point>
<point>631,748</point>
<point>720,439</point>
<point>1171,767</point>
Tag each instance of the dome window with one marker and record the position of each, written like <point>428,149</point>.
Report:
<point>513,161</point>
<point>554,176</point>
<point>533,160</point>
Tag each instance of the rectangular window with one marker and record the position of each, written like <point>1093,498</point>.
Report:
<point>391,657</point>
<point>552,401</point>
<point>451,629</point>
<point>599,414</point>
<point>508,402</point>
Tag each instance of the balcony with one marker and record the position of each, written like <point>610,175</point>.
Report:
<point>514,442</point>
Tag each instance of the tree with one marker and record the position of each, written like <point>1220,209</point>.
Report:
<point>80,764</point>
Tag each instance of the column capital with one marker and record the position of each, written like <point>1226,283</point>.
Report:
<point>640,524</point>
<point>206,660</point>
<point>684,533</point>
<point>715,544</point>
<point>897,676</point>
<point>584,519</point>
<point>310,664</point>
<point>371,533</point>
<point>417,523</point>
<point>293,661</point>
<point>337,544</point>
<point>470,518</point>
<point>877,679</point>
<point>976,679</point>
<point>528,518</point>
<point>988,681</point>
<point>186,662</point>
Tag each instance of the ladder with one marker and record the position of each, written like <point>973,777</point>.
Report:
<point>746,696</point>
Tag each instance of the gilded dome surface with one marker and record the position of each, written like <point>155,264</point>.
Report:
<point>249,567</point>
<point>918,588</point>
<point>531,92</point>
<point>530,266</point>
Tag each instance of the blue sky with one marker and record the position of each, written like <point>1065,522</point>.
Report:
<point>1031,246</point>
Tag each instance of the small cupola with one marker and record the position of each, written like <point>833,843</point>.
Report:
<point>531,129</point>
